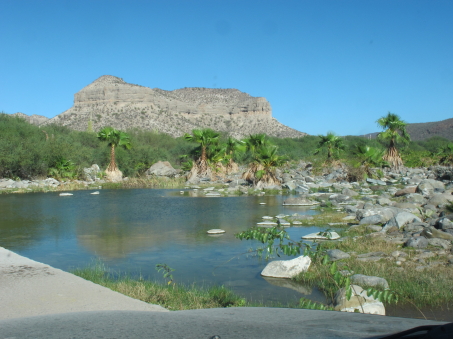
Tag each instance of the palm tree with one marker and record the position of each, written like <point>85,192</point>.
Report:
<point>253,144</point>
<point>255,141</point>
<point>268,160</point>
<point>232,146</point>
<point>114,138</point>
<point>395,132</point>
<point>205,137</point>
<point>370,157</point>
<point>333,143</point>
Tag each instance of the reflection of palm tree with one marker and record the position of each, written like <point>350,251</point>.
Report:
<point>395,132</point>
<point>333,143</point>
<point>205,137</point>
<point>114,139</point>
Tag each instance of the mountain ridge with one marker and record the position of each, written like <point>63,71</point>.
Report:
<point>424,130</point>
<point>110,101</point>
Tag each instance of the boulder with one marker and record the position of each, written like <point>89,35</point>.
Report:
<point>444,224</point>
<point>359,302</point>
<point>349,192</point>
<point>402,219</point>
<point>114,176</point>
<point>445,244</point>
<point>431,232</point>
<point>291,185</point>
<point>91,173</point>
<point>440,199</point>
<point>376,182</point>
<point>319,235</point>
<point>162,169</point>
<point>415,198</point>
<point>299,201</point>
<point>340,198</point>
<point>384,201</point>
<point>335,255</point>
<point>287,268</point>
<point>404,191</point>
<point>418,242</point>
<point>367,280</point>
<point>371,220</point>
<point>386,213</point>
<point>427,186</point>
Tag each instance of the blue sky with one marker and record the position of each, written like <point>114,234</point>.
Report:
<point>323,65</point>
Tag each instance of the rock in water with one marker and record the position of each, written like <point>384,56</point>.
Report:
<point>216,231</point>
<point>359,302</point>
<point>319,235</point>
<point>287,268</point>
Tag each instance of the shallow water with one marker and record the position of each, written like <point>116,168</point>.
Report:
<point>133,230</point>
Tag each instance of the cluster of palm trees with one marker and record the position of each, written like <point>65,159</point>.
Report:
<point>215,158</point>
<point>394,133</point>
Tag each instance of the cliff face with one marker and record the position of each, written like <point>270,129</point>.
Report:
<point>110,101</point>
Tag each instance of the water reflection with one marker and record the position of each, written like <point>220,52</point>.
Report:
<point>133,230</point>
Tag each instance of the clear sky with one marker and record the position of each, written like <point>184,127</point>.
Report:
<point>323,65</point>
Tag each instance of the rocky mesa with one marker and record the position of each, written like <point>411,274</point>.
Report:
<point>110,101</point>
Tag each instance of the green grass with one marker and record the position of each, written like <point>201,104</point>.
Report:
<point>430,287</point>
<point>173,297</point>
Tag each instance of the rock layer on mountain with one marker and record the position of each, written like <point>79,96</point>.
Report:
<point>110,101</point>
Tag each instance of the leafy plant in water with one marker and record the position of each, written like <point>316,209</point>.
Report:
<point>312,305</point>
<point>166,272</point>
<point>277,241</point>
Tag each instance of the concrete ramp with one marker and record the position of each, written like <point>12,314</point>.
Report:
<point>29,288</point>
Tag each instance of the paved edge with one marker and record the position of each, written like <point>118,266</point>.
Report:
<point>29,288</point>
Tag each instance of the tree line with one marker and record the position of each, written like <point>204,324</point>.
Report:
<point>28,151</point>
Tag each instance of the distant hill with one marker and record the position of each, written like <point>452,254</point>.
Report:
<point>110,101</point>
<point>426,130</point>
<point>32,119</point>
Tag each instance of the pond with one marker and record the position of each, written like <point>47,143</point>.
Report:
<point>133,230</point>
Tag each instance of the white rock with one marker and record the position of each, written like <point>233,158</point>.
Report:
<point>65,194</point>
<point>333,236</point>
<point>213,194</point>
<point>359,302</point>
<point>287,268</point>
<point>266,217</point>
<point>216,231</point>
<point>267,223</point>
<point>95,193</point>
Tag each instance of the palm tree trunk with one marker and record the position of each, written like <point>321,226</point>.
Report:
<point>112,166</point>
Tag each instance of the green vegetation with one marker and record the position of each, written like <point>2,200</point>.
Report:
<point>431,287</point>
<point>29,152</point>
<point>114,138</point>
<point>172,296</point>
<point>410,286</point>
<point>395,132</point>
<point>333,145</point>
